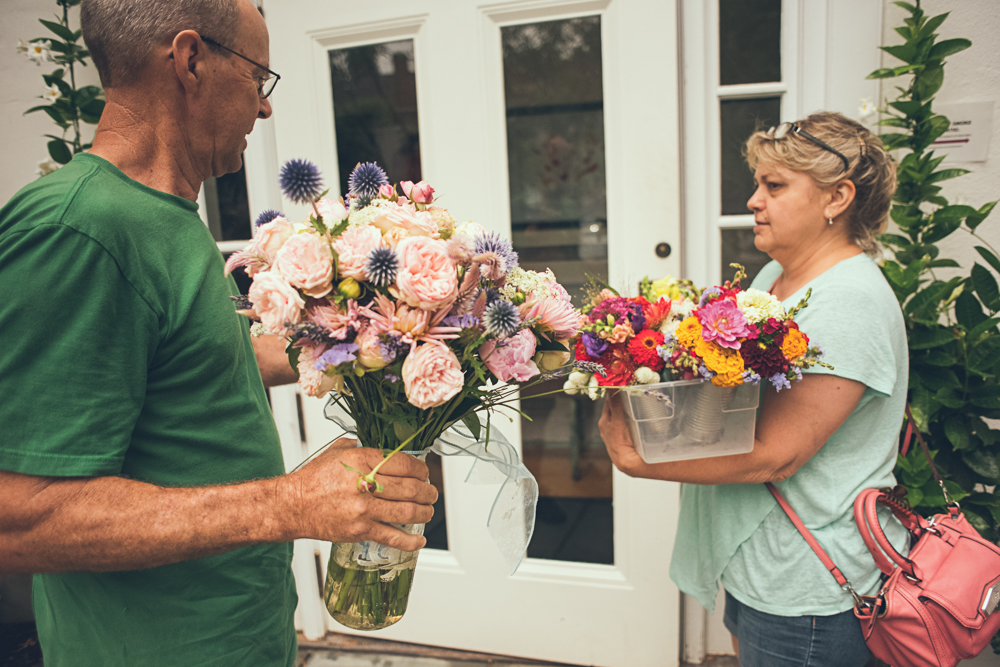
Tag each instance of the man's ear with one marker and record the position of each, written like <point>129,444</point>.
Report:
<point>189,51</point>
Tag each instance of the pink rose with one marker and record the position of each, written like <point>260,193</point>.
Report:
<point>313,382</point>
<point>394,236</point>
<point>511,358</point>
<point>306,262</point>
<point>276,302</point>
<point>271,235</point>
<point>432,375</point>
<point>353,247</point>
<point>417,223</point>
<point>426,278</point>
<point>370,352</point>
<point>385,191</point>
<point>420,192</point>
<point>332,211</point>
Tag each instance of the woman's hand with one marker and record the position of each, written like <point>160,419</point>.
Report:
<point>617,439</point>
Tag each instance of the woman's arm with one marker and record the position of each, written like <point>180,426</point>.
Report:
<point>792,426</point>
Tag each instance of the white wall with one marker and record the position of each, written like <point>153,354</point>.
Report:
<point>23,144</point>
<point>970,76</point>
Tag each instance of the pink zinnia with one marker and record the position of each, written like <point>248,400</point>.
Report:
<point>722,321</point>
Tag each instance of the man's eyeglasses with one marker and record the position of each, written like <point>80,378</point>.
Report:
<point>265,84</point>
<point>782,131</point>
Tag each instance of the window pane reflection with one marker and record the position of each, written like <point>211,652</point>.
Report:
<point>375,109</point>
<point>740,119</point>
<point>555,149</point>
<point>738,247</point>
<point>749,41</point>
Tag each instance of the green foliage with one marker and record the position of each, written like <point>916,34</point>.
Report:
<point>66,105</point>
<point>951,322</point>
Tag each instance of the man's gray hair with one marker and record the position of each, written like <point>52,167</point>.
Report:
<point>121,34</point>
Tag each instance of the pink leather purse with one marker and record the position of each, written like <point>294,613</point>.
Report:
<point>936,606</point>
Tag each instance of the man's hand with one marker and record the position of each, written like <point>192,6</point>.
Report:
<point>61,524</point>
<point>332,508</point>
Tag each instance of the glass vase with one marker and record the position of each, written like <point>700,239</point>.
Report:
<point>368,584</point>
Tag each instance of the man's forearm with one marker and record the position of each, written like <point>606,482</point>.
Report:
<point>112,523</point>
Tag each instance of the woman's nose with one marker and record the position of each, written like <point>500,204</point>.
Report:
<point>756,202</point>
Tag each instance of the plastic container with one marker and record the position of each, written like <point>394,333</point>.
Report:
<point>700,421</point>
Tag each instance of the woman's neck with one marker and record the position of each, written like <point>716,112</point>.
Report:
<point>801,267</point>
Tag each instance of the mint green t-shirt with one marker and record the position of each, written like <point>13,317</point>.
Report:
<point>737,532</point>
<point>121,354</point>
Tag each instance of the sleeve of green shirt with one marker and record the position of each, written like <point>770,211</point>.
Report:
<point>75,342</point>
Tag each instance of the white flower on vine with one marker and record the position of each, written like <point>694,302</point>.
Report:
<point>52,93</point>
<point>867,110</point>
<point>38,52</point>
<point>46,167</point>
<point>22,46</point>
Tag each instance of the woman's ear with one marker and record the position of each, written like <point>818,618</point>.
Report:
<point>841,198</point>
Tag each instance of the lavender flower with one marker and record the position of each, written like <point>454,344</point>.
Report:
<point>390,377</point>
<point>314,332</point>
<point>594,345</point>
<point>265,217</point>
<point>705,373</point>
<point>590,367</point>
<point>750,377</point>
<point>659,395</point>
<point>300,181</point>
<point>382,265</point>
<point>391,345</point>
<point>365,181</point>
<point>336,355</point>
<point>242,302</point>
<point>501,319</point>
<point>707,294</point>
<point>466,321</point>
<point>493,242</point>
<point>780,381</point>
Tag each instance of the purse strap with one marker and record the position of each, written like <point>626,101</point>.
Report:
<point>911,428</point>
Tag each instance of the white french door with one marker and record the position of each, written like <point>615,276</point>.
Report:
<point>621,612</point>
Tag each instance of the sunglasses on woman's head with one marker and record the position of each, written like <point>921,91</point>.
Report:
<point>780,132</point>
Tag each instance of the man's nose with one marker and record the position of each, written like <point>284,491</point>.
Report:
<point>265,110</point>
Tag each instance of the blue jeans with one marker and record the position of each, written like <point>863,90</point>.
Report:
<point>767,640</point>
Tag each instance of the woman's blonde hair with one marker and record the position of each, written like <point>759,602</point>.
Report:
<point>870,168</point>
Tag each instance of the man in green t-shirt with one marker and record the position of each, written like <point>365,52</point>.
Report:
<point>140,468</point>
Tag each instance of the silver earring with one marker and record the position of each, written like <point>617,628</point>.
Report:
<point>829,221</point>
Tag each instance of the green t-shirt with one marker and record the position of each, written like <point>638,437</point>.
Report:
<point>739,533</point>
<point>121,354</point>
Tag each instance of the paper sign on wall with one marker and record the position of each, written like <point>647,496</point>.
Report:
<point>968,138</point>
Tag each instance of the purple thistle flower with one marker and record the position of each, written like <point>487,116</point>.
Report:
<point>336,355</point>
<point>382,265</point>
<point>501,319</point>
<point>590,367</point>
<point>493,242</point>
<point>242,302</point>
<point>265,217</point>
<point>365,181</point>
<point>780,381</point>
<point>301,181</point>
<point>594,345</point>
<point>466,321</point>
<point>314,332</point>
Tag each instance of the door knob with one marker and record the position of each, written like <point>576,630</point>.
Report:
<point>663,250</point>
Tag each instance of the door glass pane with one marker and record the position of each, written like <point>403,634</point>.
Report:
<point>375,109</point>
<point>555,151</point>
<point>740,119</point>
<point>749,41</point>
<point>375,120</point>
<point>738,247</point>
<point>227,207</point>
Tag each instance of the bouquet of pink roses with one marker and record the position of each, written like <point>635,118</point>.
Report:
<point>406,318</point>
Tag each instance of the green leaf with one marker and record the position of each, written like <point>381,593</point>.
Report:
<point>957,432</point>
<point>907,6</point>
<point>943,263</point>
<point>933,24</point>
<point>924,338</point>
<point>986,285</point>
<point>905,52</point>
<point>928,82</point>
<point>985,355</point>
<point>973,220</point>
<point>986,396</point>
<point>59,151</point>
<point>883,73</point>
<point>948,47</point>
<point>62,31</point>
<point>989,257</point>
<point>939,377</point>
<point>984,463</point>
<point>946,174</point>
<point>968,312</point>
<point>984,326</point>
<point>893,122</point>
<point>938,357</point>
<point>953,212</point>
<point>899,71</point>
<point>906,107</point>
<point>928,296</point>
<point>949,397</point>
<point>471,420</point>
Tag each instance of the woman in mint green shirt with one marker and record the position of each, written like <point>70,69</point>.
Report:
<point>824,187</point>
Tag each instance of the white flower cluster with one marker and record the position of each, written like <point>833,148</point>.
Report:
<point>360,217</point>
<point>530,282</point>
<point>680,309</point>
<point>758,306</point>
<point>583,383</point>
<point>37,52</point>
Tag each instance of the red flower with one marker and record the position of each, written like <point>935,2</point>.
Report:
<point>765,360</point>
<point>618,364</point>
<point>581,351</point>
<point>643,349</point>
<point>655,313</point>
